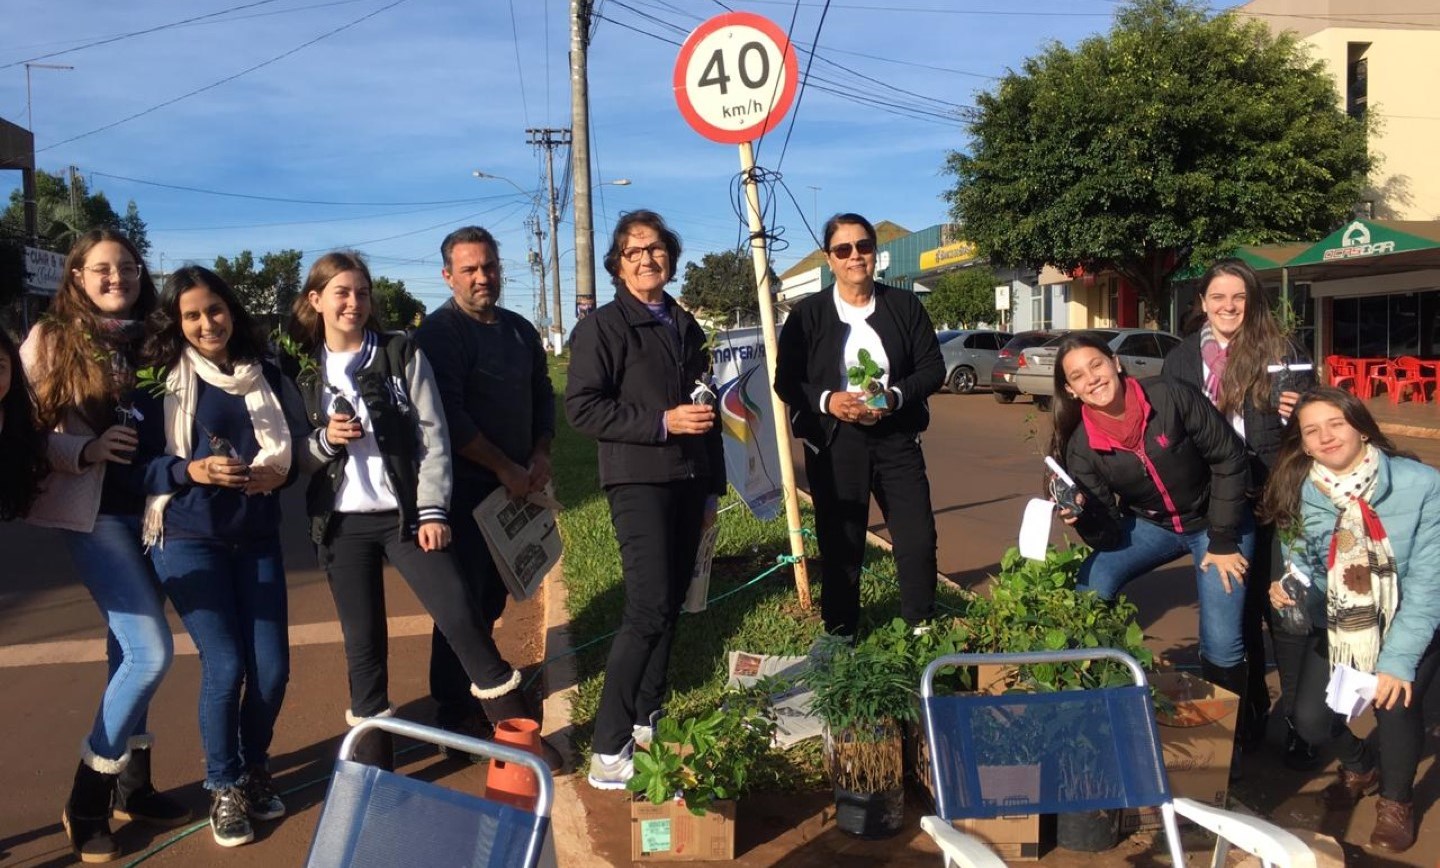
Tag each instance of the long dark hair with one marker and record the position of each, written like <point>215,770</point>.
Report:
<point>167,339</point>
<point>1258,343</point>
<point>1067,406</point>
<point>1280,504</point>
<point>307,327</point>
<point>22,441</point>
<point>74,373</point>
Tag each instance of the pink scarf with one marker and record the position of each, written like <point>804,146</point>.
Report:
<point>1214,357</point>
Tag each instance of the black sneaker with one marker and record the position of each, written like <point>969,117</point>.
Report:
<point>474,725</point>
<point>228,822</point>
<point>1300,754</point>
<point>261,800</point>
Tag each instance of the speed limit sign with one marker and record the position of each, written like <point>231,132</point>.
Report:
<point>735,77</point>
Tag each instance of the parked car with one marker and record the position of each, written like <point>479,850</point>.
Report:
<point>1141,353</point>
<point>970,355</point>
<point>1002,376</point>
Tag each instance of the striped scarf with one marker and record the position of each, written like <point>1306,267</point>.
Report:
<point>1362,592</point>
<point>1215,358</point>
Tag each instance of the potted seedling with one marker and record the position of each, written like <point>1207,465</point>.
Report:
<point>308,372</point>
<point>688,778</point>
<point>866,377</point>
<point>156,381</point>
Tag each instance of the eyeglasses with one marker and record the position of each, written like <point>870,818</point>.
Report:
<point>842,251</point>
<point>128,271</point>
<point>634,254</point>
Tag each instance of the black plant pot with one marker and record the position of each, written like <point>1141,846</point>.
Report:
<point>870,815</point>
<point>1088,832</point>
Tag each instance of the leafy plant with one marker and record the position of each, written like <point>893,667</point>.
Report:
<point>151,380</point>
<point>705,758</point>
<point>865,372</point>
<point>286,344</point>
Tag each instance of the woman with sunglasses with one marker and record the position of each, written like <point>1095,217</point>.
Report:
<point>82,359</point>
<point>863,439</point>
<point>1365,518</point>
<point>1228,358</point>
<point>634,368</point>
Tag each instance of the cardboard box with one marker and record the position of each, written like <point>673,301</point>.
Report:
<point>1197,741</point>
<point>1017,837</point>
<point>670,833</point>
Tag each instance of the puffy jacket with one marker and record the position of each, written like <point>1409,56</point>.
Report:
<point>1194,475</point>
<point>626,369</point>
<point>1407,501</point>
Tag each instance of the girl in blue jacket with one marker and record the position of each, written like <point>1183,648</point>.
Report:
<point>1363,522</point>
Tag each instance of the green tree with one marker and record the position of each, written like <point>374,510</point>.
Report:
<point>59,221</point>
<point>394,305</point>
<point>722,285</point>
<point>1172,139</point>
<point>267,289</point>
<point>134,228</point>
<point>964,298</point>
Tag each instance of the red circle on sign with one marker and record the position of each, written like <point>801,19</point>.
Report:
<point>783,99</point>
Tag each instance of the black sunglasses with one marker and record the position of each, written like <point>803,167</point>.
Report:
<point>842,251</point>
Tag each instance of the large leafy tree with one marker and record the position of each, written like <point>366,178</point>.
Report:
<point>267,288</point>
<point>135,229</point>
<point>964,297</point>
<point>722,287</point>
<point>60,218</point>
<point>1170,140</point>
<point>394,305</point>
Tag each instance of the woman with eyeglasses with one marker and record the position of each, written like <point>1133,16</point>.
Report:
<point>81,359</point>
<point>635,367</point>
<point>862,432</point>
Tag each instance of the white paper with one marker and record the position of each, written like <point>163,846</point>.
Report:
<point>794,721</point>
<point>523,538</point>
<point>695,598</point>
<point>1350,691</point>
<point>1035,529</point>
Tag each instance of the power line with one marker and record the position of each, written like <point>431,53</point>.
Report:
<point>227,79</point>
<point>519,70</point>
<point>292,201</point>
<point>795,112</point>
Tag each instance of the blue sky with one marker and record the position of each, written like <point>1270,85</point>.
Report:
<point>398,108</point>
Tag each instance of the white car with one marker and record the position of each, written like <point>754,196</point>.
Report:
<point>1141,352</point>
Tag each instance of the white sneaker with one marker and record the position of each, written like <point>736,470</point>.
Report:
<point>611,771</point>
<point>644,733</point>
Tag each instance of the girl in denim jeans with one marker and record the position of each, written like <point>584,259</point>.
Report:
<point>216,444</point>
<point>81,360</point>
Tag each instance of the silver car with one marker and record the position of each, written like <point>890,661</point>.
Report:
<point>970,355</point>
<point>1141,353</point>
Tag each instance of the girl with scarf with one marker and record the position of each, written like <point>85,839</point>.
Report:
<point>215,445</point>
<point>1229,359</point>
<point>381,491</point>
<point>1362,520</point>
<point>1161,475</point>
<point>81,360</point>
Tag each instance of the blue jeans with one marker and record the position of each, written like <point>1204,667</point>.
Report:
<point>112,564</point>
<point>231,597</point>
<point>1147,546</point>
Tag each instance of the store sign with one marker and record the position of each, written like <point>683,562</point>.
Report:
<point>42,270</point>
<point>949,254</point>
<point>1355,243</point>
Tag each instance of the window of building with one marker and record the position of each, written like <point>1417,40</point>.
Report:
<point>1039,308</point>
<point>1388,326</point>
<point>1357,88</point>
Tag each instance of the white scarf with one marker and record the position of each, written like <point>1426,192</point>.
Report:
<point>267,418</point>
<point>1362,592</point>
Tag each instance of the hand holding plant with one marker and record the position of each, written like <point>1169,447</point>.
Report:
<point>866,376</point>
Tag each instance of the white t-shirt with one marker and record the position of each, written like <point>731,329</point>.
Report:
<point>365,486</point>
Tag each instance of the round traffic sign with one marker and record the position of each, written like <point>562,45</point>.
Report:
<point>735,77</point>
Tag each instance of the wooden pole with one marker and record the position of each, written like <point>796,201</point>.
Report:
<point>777,407</point>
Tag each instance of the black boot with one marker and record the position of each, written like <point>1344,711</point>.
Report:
<point>137,799</point>
<point>514,704</point>
<point>1300,754</point>
<point>87,815</point>
<point>1234,679</point>
<point>376,748</point>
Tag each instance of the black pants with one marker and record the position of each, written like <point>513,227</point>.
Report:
<point>658,526</point>
<point>353,561</point>
<point>1268,565</point>
<point>1401,730</point>
<point>449,682</point>
<point>889,463</point>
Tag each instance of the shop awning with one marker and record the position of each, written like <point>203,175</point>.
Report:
<point>1365,239</point>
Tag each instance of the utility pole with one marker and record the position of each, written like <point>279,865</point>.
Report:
<point>537,261</point>
<point>580,154</point>
<point>550,138</point>
<point>74,195</point>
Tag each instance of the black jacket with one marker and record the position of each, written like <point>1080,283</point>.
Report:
<point>1199,459</point>
<point>626,369</point>
<point>1263,427</point>
<point>811,349</point>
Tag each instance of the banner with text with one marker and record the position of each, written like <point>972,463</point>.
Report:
<point>751,462</point>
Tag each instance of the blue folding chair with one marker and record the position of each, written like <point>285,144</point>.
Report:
<point>1079,750</point>
<point>377,818</point>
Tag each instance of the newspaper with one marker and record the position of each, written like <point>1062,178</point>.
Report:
<point>794,722</point>
<point>522,536</point>
<point>695,598</point>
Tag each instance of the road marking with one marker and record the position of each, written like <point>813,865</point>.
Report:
<point>93,650</point>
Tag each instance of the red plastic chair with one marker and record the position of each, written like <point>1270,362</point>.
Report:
<point>1400,375</point>
<point>1341,369</point>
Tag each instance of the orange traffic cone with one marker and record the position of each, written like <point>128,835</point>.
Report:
<point>509,783</point>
